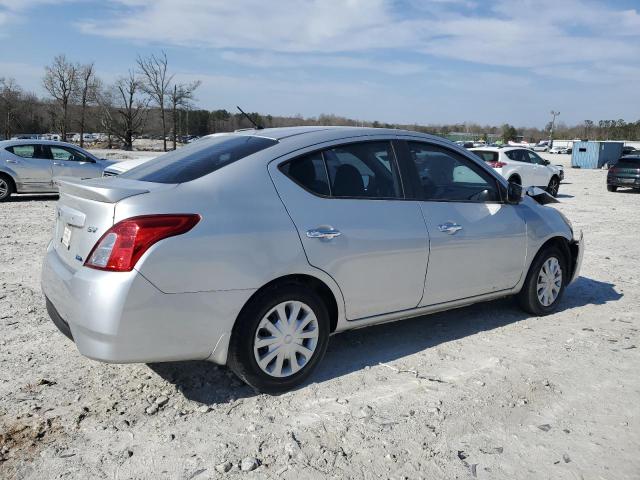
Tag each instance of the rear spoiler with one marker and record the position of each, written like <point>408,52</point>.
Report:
<point>99,189</point>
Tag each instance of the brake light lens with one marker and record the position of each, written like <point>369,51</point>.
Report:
<point>120,248</point>
<point>497,164</point>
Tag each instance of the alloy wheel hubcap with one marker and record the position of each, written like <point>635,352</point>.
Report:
<point>549,281</point>
<point>4,188</point>
<point>286,339</point>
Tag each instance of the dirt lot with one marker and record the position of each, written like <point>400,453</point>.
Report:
<point>481,392</point>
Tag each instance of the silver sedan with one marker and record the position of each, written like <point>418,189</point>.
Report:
<point>29,166</point>
<point>250,249</point>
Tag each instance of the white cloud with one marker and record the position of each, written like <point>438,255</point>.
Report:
<point>510,33</point>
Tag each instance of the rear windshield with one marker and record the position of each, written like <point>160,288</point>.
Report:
<point>632,162</point>
<point>486,155</point>
<point>198,159</point>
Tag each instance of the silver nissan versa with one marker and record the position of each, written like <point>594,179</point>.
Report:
<point>251,248</point>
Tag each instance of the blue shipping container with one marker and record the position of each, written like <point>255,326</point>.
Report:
<point>595,154</point>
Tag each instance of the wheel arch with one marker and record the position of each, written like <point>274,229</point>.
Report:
<point>565,247</point>
<point>515,175</point>
<point>9,176</point>
<point>308,281</point>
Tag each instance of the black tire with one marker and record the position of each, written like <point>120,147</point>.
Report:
<point>241,358</point>
<point>612,188</point>
<point>6,188</point>
<point>528,296</point>
<point>515,179</point>
<point>554,186</point>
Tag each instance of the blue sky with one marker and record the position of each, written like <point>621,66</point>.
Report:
<point>404,61</point>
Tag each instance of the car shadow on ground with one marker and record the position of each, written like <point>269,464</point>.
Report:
<point>564,195</point>
<point>30,197</point>
<point>356,349</point>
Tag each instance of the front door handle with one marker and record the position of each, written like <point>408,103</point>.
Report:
<point>450,227</point>
<point>58,164</point>
<point>323,232</point>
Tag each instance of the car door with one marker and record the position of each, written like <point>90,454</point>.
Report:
<point>542,172</point>
<point>527,170</point>
<point>69,162</point>
<point>477,242</point>
<point>347,203</point>
<point>32,166</point>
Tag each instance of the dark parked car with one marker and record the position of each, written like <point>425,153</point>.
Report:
<point>625,173</point>
<point>627,150</point>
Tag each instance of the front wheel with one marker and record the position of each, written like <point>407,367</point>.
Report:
<point>279,338</point>
<point>612,188</point>
<point>554,186</point>
<point>545,282</point>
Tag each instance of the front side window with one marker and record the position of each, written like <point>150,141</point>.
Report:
<point>198,159</point>
<point>447,176</point>
<point>535,158</point>
<point>66,153</point>
<point>357,170</point>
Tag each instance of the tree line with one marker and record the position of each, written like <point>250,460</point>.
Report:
<point>149,101</point>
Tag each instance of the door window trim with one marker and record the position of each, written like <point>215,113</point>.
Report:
<point>416,187</point>
<point>394,160</point>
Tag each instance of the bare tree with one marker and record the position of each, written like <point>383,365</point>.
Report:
<point>10,96</point>
<point>61,81</point>
<point>180,97</point>
<point>124,109</point>
<point>156,83</point>
<point>88,87</point>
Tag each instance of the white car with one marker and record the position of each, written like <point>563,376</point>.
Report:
<point>522,166</point>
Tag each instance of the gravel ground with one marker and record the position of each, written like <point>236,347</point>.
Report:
<point>480,392</point>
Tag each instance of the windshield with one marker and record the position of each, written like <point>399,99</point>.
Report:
<point>198,159</point>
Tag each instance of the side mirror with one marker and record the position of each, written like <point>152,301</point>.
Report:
<point>546,162</point>
<point>514,193</point>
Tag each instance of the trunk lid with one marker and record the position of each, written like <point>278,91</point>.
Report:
<point>85,211</point>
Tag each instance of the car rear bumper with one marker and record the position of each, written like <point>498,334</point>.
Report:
<point>120,317</point>
<point>631,182</point>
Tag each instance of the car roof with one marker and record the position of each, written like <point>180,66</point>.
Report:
<point>496,149</point>
<point>27,141</point>
<point>327,133</point>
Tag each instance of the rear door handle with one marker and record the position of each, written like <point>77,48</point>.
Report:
<point>323,232</point>
<point>12,161</point>
<point>449,227</point>
<point>58,164</point>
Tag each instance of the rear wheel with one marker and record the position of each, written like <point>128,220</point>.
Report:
<point>545,282</point>
<point>6,188</point>
<point>515,179</point>
<point>554,186</point>
<point>279,338</point>
<point>612,188</point>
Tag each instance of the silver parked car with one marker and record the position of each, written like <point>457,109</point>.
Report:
<point>29,166</point>
<point>249,249</point>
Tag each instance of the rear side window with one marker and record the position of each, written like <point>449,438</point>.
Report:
<point>358,170</point>
<point>487,156</point>
<point>309,172</point>
<point>198,159</point>
<point>28,151</point>
<point>518,156</point>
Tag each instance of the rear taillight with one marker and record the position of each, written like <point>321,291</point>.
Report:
<point>496,164</point>
<point>119,249</point>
